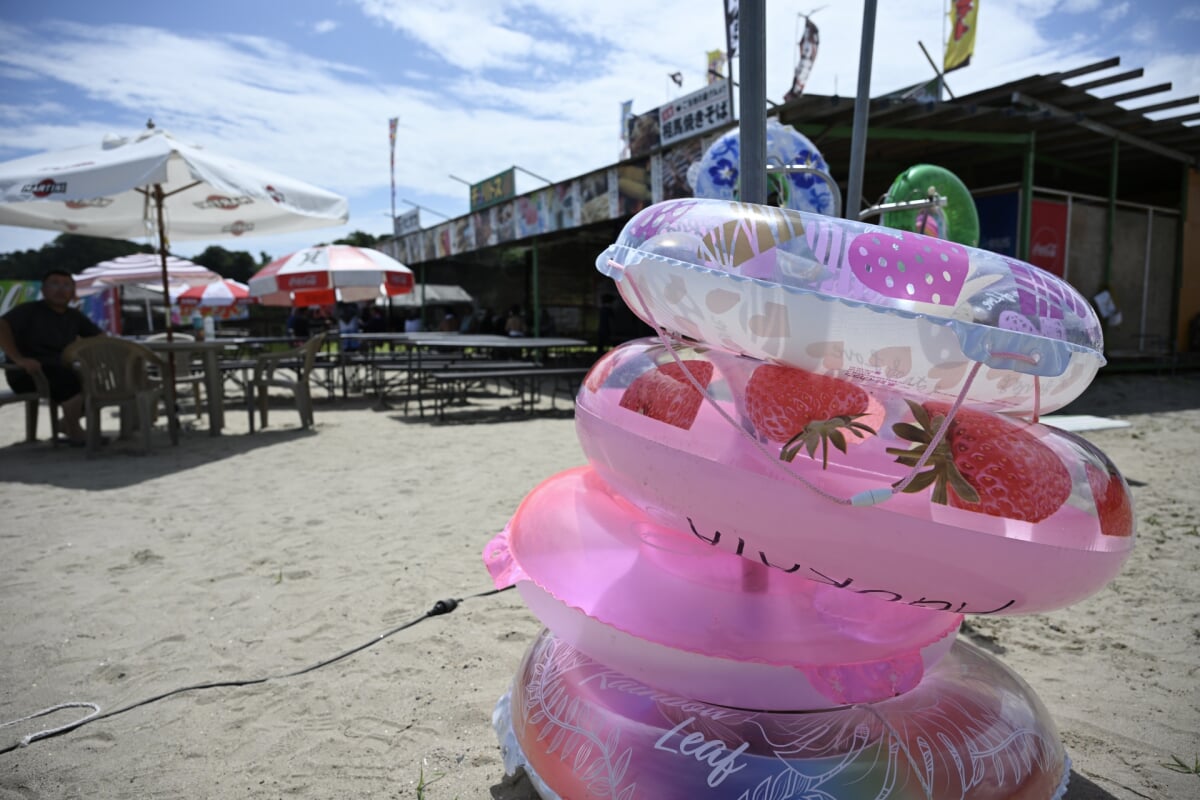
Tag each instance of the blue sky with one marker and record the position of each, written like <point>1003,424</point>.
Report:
<point>306,88</point>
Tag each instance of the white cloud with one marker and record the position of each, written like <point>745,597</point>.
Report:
<point>1114,13</point>
<point>1080,6</point>
<point>1188,14</point>
<point>324,26</point>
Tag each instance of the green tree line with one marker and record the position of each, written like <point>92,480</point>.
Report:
<point>75,253</point>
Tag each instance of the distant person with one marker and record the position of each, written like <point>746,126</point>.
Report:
<point>546,326</point>
<point>449,323</point>
<point>348,325</point>
<point>299,324</point>
<point>412,323</point>
<point>33,336</point>
<point>515,324</point>
<point>470,322</point>
<point>373,320</point>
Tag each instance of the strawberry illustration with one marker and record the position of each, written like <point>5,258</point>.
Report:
<point>665,394</point>
<point>804,410</point>
<point>985,463</point>
<point>1112,501</point>
<point>908,266</point>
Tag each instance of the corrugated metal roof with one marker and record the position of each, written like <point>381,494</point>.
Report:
<point>1073,133</point>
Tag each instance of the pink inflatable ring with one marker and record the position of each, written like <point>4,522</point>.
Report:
<point>884,308</point>
<point>693,620</point>
<point>1004,517</point>
<point>973,730</point>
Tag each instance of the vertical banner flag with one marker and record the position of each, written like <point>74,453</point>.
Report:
<point>961,44</point>
<point>731,29</point>
<point>716,65</point>
<point>392,123</point>
<point>732,40</point>
<point>809,42</point>
<point>626,124</point>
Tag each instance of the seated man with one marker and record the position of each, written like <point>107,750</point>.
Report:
<point>33,336</point>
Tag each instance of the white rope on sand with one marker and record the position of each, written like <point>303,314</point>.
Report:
<point>33,737</point>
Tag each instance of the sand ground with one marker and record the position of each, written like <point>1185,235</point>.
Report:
<point>241,557</point>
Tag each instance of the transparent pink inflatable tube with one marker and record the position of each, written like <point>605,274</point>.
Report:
<point>1056,524</point>
<point>972,730</point>
<point>885,308</point>
<point>700,622</point>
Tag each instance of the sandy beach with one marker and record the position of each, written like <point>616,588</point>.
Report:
<point>239,557</point>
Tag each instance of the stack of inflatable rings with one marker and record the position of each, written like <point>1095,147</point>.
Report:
<point>724,617</point>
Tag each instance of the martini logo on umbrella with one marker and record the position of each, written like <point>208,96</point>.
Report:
<point>222,202</point>
<point>44,188</point>
<point>238,228</point>
<point>275,194</point>
<point>93,202</point>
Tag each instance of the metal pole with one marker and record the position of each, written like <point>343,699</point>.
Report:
<point>862,104</point>
<point>752,129</point>
<point>1025,223</point>
<point>169,382</point>
<point>536,327</point>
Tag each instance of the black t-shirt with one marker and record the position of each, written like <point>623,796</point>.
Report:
<point>42,333</point>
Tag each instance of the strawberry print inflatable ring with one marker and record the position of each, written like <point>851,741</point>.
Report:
<point>879,307</point>
<point>1004,516</point>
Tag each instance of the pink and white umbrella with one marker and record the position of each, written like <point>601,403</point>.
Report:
<point>318,276</point>
<point>141,268</point>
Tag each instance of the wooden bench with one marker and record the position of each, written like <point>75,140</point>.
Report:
<point>450,385</point>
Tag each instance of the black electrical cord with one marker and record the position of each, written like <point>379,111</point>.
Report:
<point>439,608</point>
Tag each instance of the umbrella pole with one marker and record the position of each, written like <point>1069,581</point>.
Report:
<point>169,387</point>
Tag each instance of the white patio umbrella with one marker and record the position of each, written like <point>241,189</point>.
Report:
<point>317,276</point>
<point>152,184</point>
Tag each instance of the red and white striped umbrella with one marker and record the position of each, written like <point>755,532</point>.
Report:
<point>318,276</point>
<point>141,268</point>
<point>222,294</point>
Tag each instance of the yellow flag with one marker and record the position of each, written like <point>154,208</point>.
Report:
<point>961,44</point>
<point>716,65</point>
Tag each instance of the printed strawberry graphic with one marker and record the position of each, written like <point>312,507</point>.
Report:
<point>1112,501</point>
<point>665,394</point>
<point>805,410</point>
<point>985,463</point>
<point>908,266</point>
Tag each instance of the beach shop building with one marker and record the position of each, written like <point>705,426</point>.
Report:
<point>1076,184</point>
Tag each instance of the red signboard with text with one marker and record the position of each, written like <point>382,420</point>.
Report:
<point>1048,236</point>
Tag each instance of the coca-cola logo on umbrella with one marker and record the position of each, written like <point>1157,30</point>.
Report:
<point>222,202</point>
<point>238,228</point>
<point>309,280</point>
<point>44,188</point>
